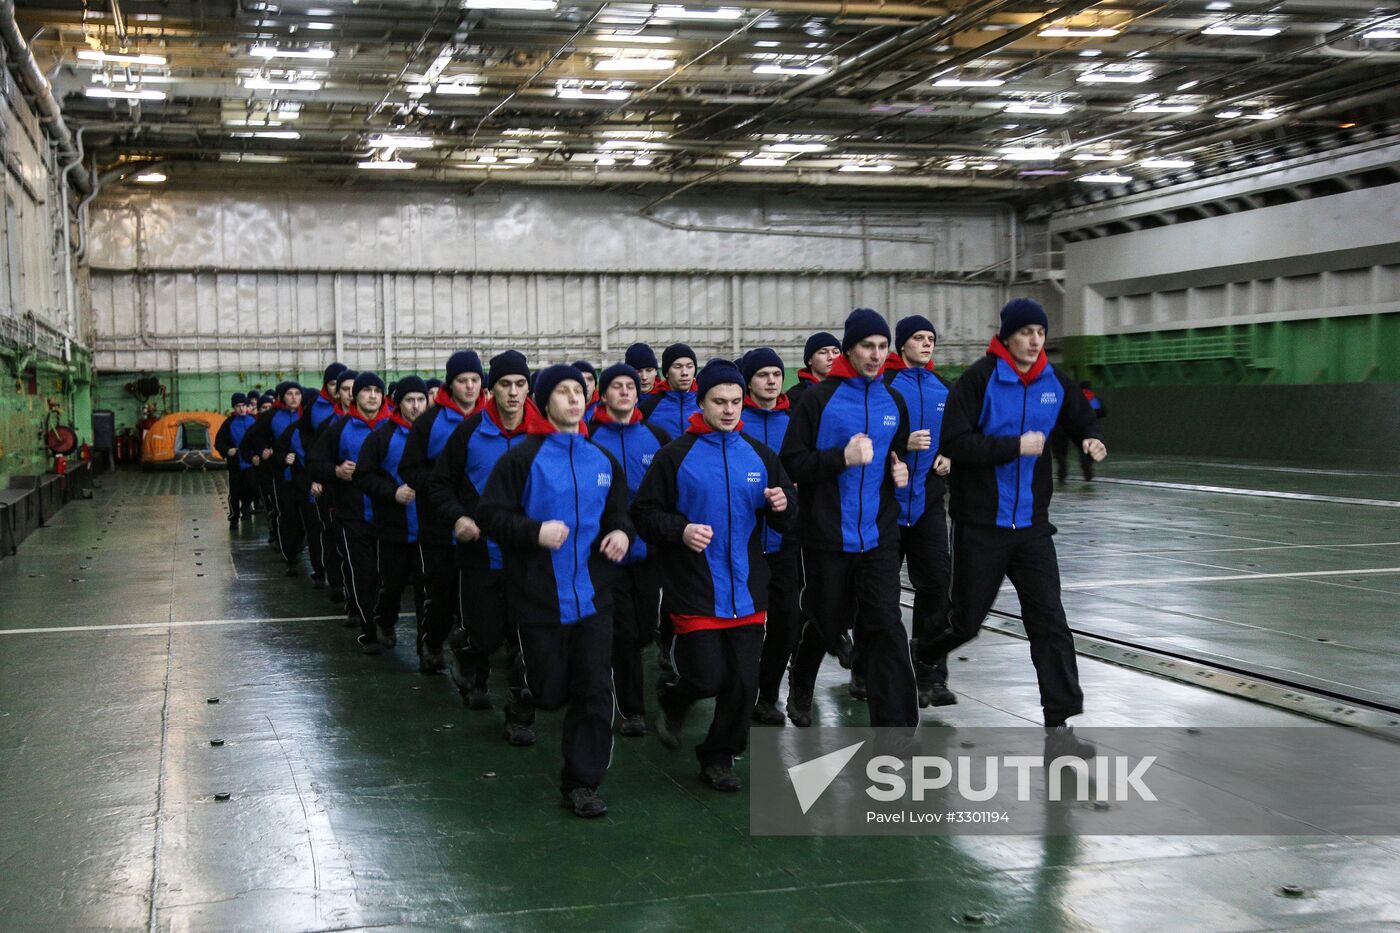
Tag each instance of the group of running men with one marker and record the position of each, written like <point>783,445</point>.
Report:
<point>566,518</point>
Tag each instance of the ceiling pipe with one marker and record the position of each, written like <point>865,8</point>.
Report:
<point>31,77</point>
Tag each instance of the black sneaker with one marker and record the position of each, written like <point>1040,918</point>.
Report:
<point>767,713</point>
<point>386,636</point>
<point>369,647</point>
<point>585,802</point>
<point>932,691</point>
<point>476,697</point>
<point>293,570</point>
<point>799,709</point>
<point>337,595</point>
<point>521,736</point>
<point>1061,742</point>
<point>318,581</point>
<point>857,687</point>
<point>431,662</point>
<point>721,777</point>
<point>233,524</point>
<point>634,726</point>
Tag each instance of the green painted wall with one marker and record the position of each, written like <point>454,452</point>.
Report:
<point>22,412</point>
<point>1363,348</point>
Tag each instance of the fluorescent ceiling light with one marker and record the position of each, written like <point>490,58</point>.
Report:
<point>128,94</point>
<point>391,141</point>
<point>521,160</point>
<point>1382,34</point>
<point>1187,86</point>
<point>635,64</point>
<point>1030,153</point>
<point>767,44</point>
<point>1263,115</point>
<point>969,82</point>
<point>1049,110</point>
<point>1165,108</point>
<point>763,162</point>
<point>269,51</point>
<point>605,160</point>
<point>391,165</point>
<point>627,134</point>
<point>317,11</point>
<point>775,69</point>
<point>272,134</point>
<point>866,167</point>
<point>249,157</point>
<point>1035,172</point>
<point>620,38</point>
<point>120,58</point>
<point>150,178</point>
<point>578,93</point>
<point>488,158</point>
<point>672,11</point>
<point>315,24</point>
<point>1114,77</point>
<point>1218,5</point>
<point>1105,178</point>
<point>641,161</point>
<point>798,147</point>
<point>509,4</point>
<point>1166,163</point>
<point>1229,29</point>
<point>1079,32</point>
<point>1091,53</point>
<point>1099,156</point>
<point>627,144</point>
<point>266,84</point>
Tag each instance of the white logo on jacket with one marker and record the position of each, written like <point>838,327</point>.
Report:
<point>647,458</point>
<point>1048,398</point>
<point>605,479</point>
<point>891,421</point>
<point>755,477</point>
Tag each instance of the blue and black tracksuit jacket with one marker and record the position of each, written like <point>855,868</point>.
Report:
<point>634,446</point>
<point>378,474</point>
<point>988,409</point>
<point>768,427</point>
<point>460,474</point>
<point>925,394</point>
<point>426,441</point>
<point>341,441</point>
<point>231,434</point>
<point>848,509</point>
<point>556,477</point>
<point>713,478</point>
<point>670,410</point>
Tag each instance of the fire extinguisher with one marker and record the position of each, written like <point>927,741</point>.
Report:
<point>60,464</point>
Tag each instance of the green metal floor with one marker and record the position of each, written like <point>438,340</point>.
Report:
<point>363,796</point>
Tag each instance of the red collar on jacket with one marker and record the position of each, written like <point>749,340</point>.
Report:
<point>490,411</point>
<point>842,369</point>
<point>783,403</point>
<point>335,407</point>
<point>896,362</point>
<point>379,417</point>
<point>998,349</point>
<point>698,425</point>
<point>537,423</point>
<point>1089,394</point>
<point>398,419</point>
<point>444,399</point>
<point>328,398</point>
<point>806,375</point>
<point>661,386</point>
<point>601,416</point>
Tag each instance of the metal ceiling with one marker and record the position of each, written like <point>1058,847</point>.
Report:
<point>1021,100</point>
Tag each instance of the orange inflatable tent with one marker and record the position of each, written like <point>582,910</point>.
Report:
<point>183,440</point>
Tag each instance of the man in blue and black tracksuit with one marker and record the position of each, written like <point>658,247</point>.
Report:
<point>316,519</point>
<point>766,418</point>
<point>557,504</point>
<point>672,398</point>
<point>706,505</point>
<point>332,464</point>
<point>642,358</point>
<point>842,449</point>
<point>291,449</point>
<point>262,440</point>
<point>994,427</point>
<point>286,413</point>
<point>454,401</point>
<point>394,512</point>
<point>229,440</point>
<point>458,479</point>
<point>923,523</point>
<point>590,384</point>
<point>617,426</point>
<point>820,351</point>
